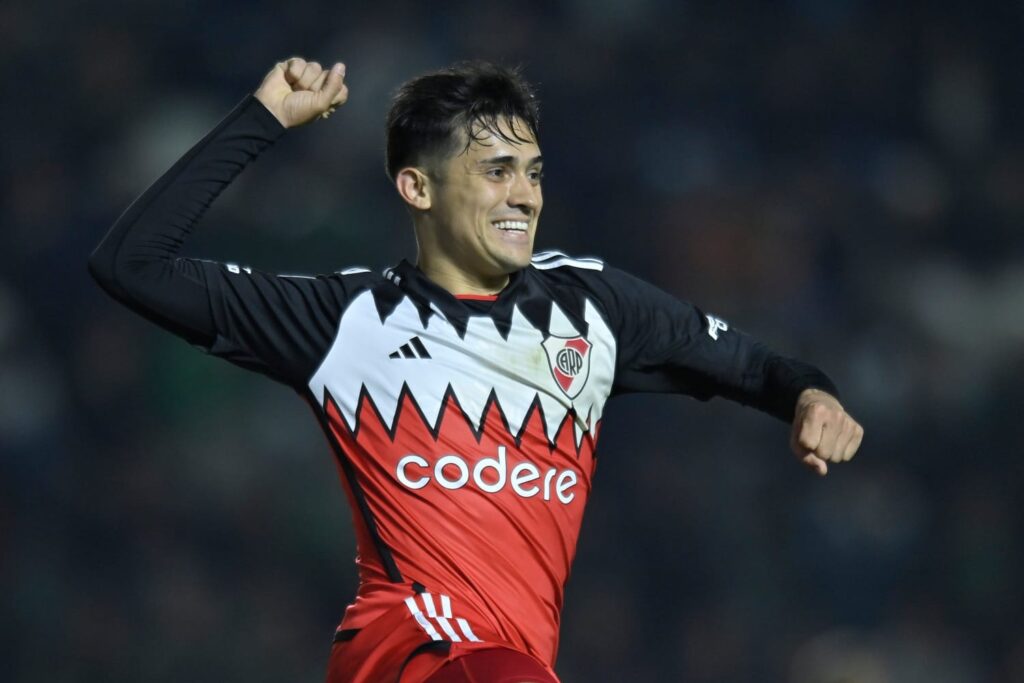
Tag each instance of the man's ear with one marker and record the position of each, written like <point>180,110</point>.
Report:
<point>414,187</point>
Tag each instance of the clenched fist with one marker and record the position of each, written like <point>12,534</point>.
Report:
<point>823,431</point>
<point>296,91</point>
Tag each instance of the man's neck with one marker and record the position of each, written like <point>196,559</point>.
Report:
<point>457,281</point>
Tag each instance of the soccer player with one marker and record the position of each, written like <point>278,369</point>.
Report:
<point>462,394</point>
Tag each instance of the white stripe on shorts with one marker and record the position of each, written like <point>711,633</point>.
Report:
<point>464,625</point>
<point>422,620</point>
<point>428,602</point>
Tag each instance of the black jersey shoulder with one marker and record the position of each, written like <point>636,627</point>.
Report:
<point>276,323</point>
<point>559,269</point>
<point>560,262</point>
<point>602,283</point>
<point>569,282</point>
<point>382,285</point>
<point>357,279</point>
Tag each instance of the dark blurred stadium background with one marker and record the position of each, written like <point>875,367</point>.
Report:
<point>843,179</point>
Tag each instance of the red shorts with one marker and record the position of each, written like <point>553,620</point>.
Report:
<point>493,666</point>
<point>430,638</point>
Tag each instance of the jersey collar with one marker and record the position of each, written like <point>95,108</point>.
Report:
<point>430,297</point>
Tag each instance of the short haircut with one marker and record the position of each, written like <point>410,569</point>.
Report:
<point>428,112</point>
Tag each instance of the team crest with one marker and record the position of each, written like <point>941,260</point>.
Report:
<point>569,359</point>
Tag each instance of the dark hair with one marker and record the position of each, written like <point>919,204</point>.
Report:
<point>427,112</point>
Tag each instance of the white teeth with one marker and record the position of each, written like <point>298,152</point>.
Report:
<point>511,225</point>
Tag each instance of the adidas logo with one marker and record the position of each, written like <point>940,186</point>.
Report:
<point>414,348</point>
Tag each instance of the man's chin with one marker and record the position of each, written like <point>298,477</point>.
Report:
<point>510,263</point>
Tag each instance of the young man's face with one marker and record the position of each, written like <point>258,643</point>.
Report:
<point>486,204</point>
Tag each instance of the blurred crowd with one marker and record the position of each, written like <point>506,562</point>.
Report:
<point>844,179</point>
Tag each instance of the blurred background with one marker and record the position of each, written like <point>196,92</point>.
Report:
<point>843,179</point>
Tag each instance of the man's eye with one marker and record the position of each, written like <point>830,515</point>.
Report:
<point>536,176</point>
<point>496,173</point>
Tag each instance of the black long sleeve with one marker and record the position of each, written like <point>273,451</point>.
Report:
<point>278,325</point>
<point>667,345</point>
<point>137,262</point>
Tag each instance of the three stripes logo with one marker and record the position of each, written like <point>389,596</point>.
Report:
<point>413,348</point>
<point>434,622</point>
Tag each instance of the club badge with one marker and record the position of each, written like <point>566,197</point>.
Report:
<point>569,360</point>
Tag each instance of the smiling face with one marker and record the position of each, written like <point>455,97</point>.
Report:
<point>479,223</point>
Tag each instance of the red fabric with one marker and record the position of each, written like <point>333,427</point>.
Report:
<point>379,651</point>
<point>477,297</point>
<point>501,557</point>
<point>493,666</point>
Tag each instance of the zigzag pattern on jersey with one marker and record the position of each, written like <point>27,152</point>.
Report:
<point>492,428</point>
<point>475,371</point>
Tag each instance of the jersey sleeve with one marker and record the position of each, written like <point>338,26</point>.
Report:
<point>668,345</point>
<point>278,325</point>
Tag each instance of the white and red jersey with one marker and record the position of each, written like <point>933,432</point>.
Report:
<point>464,429</point>
<point>466,433</point>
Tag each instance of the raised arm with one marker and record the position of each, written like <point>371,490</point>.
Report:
<point>242,318</point>
<point>296,91</point>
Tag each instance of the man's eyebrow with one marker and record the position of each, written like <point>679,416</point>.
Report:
<point>509,160</point>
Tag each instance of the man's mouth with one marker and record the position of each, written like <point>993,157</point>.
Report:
<point>512,226</point>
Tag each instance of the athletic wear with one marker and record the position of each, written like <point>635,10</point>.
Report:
<point>464,428</point>
<point>394,646</point>
<point>493,666</point>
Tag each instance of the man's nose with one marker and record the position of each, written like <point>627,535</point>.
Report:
<point>523,193</point>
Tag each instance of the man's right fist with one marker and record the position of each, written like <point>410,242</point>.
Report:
<point>296,91</point>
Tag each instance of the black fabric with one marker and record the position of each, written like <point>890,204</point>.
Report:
<point>278,325</point>
<point>346,634</point>
<point>135,263</point>
<point>437,647</point>
<point>666,345</point>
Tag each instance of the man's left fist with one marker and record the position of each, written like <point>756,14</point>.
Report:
<point>822,431</point>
